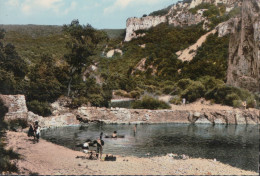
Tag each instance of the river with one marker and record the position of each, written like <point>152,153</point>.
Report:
<point>236,145</point>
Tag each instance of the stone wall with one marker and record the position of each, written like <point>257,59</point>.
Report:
<point>17,108</point>
<point>63,116</point>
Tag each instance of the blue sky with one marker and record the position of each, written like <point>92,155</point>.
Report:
<point>109,14</point>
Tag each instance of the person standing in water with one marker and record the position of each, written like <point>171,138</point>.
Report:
<point>101,135</point>
<point>135,129</point>
<point>100,144</point>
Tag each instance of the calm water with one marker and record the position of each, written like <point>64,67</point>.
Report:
<point>237,146</point>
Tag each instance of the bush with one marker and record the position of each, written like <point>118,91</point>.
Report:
<point>251,102</point>
<point>237,104</point>
<point>176,100</point>
<point>121,93</point>
<point>135,94</point>
<point>148,102</point>
<point>17,123</point>
<point>5,155</point>
<point>230,98</point>
<point>40,108</point>
<point>194,91</point>
<point>77,102</point>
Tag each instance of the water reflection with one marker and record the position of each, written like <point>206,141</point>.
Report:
<point>233,145</point>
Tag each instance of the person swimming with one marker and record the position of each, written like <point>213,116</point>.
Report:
<point>114,135</point>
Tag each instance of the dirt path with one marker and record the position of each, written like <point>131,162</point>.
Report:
<point>189,53</point>
<point>46,158</point>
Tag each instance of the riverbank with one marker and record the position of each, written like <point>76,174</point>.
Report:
<point>198,112</point>
<point>46,158</point>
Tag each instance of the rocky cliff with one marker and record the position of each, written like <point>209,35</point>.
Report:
<point>244,49</point>
<point>178,15</point>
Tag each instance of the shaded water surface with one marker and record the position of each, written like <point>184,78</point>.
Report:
<point>237,146</point>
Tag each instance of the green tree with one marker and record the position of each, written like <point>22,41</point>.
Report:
<point>44,85</point>
<point>83,45</point>
<point>12,68</point>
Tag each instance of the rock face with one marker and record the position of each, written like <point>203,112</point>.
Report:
<point>135,24</point>
<point>17,108</point>
<point>244,50</point>
<point>229,3</point>
<point>111,53</point>
<point>134,116</point>
<point>178,15</point>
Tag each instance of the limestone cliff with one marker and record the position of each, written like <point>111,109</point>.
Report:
<point>244,49</point>
<point>178,15</point>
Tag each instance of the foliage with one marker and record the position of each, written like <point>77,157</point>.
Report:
<point>148,102</point>
<point>40,108</point>
<point>17,123</point>
<point>46,81</point>
<point>5,155</point>
<point>176,100</point>
<point>210,60</point>
<point>194,91</point>
<point>83,44</point>
<point>237,104</point>
<point>12,68</point>
<point>161,12</point>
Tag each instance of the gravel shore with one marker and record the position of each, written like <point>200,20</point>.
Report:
<point>46,158</point>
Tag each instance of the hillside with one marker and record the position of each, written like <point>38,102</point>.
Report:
<point>32,41</point>
<point>148,65</point>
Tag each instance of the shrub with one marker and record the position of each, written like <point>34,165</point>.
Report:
<point>176,100</point>
<point>17,123</point>
<point>237,103</point>
<point>148,102</point>
<point>121,93</point>
<point>135,94</point>
<point>40,108</point>
<point>5,155</point>
<point>77,102</point>
<point>184,83</point>
<point>194,91</point>
<point>251,102</point>
<point>230,98</point>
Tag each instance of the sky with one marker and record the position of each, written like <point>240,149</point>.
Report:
<point>101,14</point>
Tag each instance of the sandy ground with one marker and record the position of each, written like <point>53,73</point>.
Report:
<point>199,105</point>
<point>46,158</point>
<point>187,55</point>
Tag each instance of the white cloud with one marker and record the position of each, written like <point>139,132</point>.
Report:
<point>122,4</point>
<point>72,7</point>
<point>13,3</point>
<point>30,7</point>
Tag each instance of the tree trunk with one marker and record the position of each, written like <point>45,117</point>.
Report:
<point>69,87</point>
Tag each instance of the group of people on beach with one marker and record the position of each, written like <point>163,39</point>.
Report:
<point>34,131</point>
<point>92,154</point>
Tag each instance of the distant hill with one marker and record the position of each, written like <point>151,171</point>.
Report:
<point>45,30</point>
<point>115,33</point>
<point>32,41</point>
